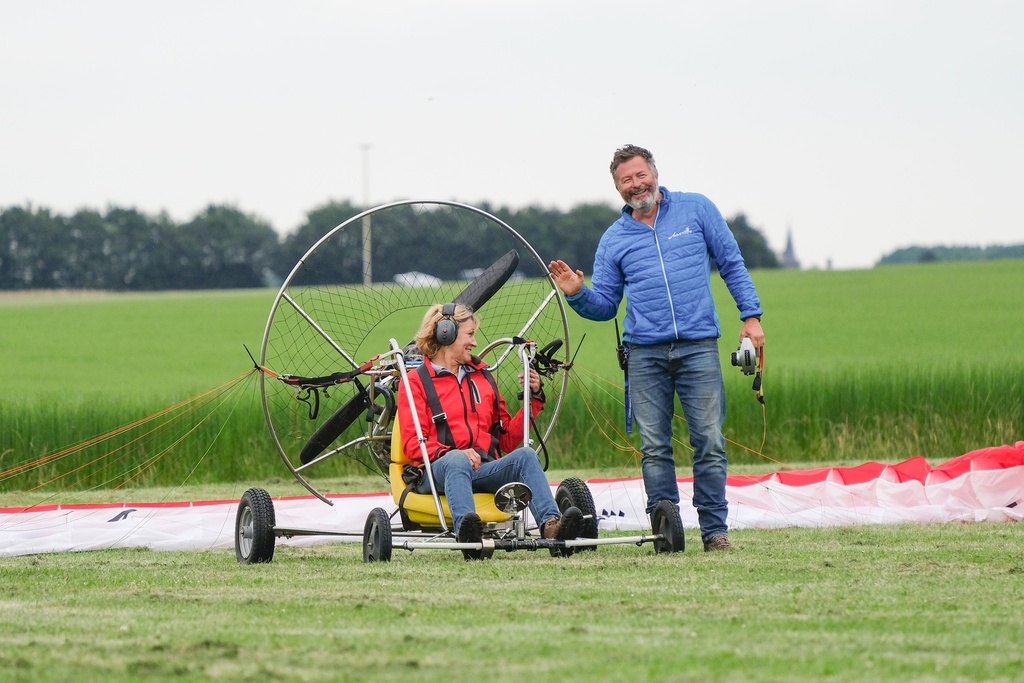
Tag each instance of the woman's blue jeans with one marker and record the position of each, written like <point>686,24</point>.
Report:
<point>456,480</point>
<point>692,371</point>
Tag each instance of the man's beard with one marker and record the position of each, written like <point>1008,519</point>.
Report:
<point>646,204</point>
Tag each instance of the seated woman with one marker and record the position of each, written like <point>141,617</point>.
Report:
<point>466,450</point>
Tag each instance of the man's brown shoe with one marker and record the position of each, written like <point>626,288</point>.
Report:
<point>719,542</point>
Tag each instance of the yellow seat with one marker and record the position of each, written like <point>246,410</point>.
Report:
<point>418,509</point>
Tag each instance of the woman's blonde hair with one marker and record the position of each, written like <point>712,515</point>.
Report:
<point>426,341</point>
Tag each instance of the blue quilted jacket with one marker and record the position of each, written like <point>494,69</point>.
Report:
<point>665,272</point>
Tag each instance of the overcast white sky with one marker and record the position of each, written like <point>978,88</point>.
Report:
<point>862,126</point>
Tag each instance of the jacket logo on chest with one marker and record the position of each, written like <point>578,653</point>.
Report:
<point>687,231</point>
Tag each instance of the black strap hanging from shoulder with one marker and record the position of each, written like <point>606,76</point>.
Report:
<point>440,418</point>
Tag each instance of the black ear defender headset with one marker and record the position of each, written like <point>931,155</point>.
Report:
<point>446,329</point>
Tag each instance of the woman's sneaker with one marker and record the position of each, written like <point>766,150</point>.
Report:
<point>471,530</point>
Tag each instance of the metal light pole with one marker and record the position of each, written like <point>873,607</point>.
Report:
<point>367,263</point>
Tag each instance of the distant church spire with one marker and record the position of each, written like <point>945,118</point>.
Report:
<point>788,258</point>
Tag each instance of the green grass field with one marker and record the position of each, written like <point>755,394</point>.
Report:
<point>881,365</point>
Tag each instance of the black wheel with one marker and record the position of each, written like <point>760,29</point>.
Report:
<point>254,527</point>
<point>573,492</point>
<point>377,537</point>
<point>666,522</point>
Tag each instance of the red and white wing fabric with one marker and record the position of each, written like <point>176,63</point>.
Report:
<point>986,485</point>
<point>983,485</point>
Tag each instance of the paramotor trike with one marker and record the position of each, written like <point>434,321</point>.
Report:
<point>323,318</point>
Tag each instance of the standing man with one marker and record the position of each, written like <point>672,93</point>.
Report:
<point>658,254</point>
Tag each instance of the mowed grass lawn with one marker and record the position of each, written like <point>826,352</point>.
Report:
<point>882,603</point>
<point>885,603</point>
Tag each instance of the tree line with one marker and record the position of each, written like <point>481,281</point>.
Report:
<point>123,249</point>
<point>934,254</point>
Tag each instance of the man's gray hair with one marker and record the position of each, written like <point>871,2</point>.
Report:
<point>627,152</point>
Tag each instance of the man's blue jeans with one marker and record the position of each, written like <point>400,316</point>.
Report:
<point>456,480</point>
<point>691,370</point>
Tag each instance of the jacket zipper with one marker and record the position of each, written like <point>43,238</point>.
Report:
<point>466,408</point>
<point>664,275</point>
